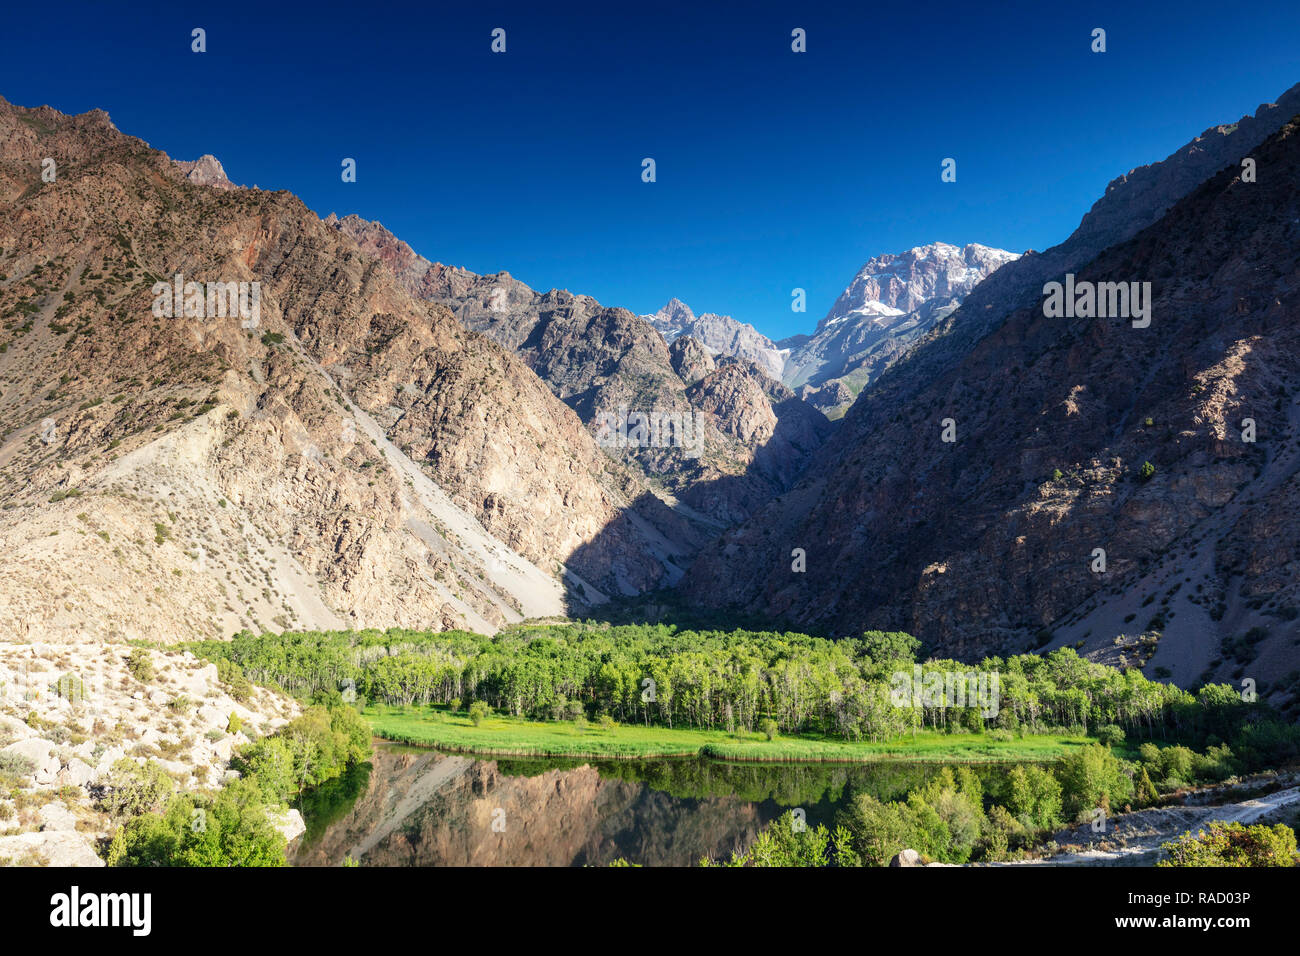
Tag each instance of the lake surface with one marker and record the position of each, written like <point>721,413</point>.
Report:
<point>417,807</point>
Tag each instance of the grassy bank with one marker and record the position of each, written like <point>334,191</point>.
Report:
<point>516,737</point>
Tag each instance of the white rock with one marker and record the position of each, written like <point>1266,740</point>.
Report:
<point>53,847</point>
<point>55,816</point>
<point>109,757</point>
<point>42,753</point>
<point>214,717</point>
<point>77,773</point>
<point>288,822</point>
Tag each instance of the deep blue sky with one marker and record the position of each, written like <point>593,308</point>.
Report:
<point>775,169</point>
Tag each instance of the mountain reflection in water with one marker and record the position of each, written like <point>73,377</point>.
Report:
<point>417,807</point>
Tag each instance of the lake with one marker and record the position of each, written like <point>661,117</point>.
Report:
<point>417,807</point>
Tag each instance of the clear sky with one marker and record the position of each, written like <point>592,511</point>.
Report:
<point>775,170</point>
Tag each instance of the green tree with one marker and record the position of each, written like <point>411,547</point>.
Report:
<point>478,711</point>
<point>1092,777</point>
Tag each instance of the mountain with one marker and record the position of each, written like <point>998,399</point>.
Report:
<point>338,454</point>
<point>720,334</point>
<point>988,543</point>
<point>889,305</point>
<point>1131,203</point>
<point>755,436</point>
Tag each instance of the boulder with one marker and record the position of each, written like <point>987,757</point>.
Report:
<point>214,717</point>
<point>51,848</point>
<point>288,822</point>
<point>41,753</point>
<point>77,773</point>
<point>907,858</point>
<point>56,816</point>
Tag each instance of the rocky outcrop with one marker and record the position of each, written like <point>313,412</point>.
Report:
<point>71,708</point>
<point>206,171</point>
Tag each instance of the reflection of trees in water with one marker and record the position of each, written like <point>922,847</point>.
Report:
<point>323,806</point>
<point>565,811</point>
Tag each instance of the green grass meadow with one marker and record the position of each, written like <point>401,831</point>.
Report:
<point>511,736</point>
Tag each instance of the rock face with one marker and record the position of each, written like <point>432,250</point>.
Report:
<point>206,171</point>
<point>720,335</point>
<point>890,304</point>
<point>987,543</point>
<point>607,364</point>
<point>348,456</point>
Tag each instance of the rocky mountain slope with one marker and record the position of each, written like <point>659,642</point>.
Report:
<point>608,364</point>
<point>989,541</point>
<point>346,456</point>
<point>890,304</point>
<point>70,710</point>
<point>720,334</point>
<point>1131,203</point>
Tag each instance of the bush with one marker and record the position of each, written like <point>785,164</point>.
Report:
<point>140,663</point>
<point>1232,844</point>
<point>1111,735</point>
<point>1034,797</point>
<point>1147,471</point>
<point>16,765</point>
<point>232,675</point>
<point>229,829</point>
<point>478,711</point>
<point>769,728</point>
<point>235,725</point>
<point>132,789</point>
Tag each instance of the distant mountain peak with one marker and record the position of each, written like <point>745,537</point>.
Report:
<point>204,171</point>
<point>893,300</point>
<point>720,334</point>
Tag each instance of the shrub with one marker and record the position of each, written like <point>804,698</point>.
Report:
<point>232,675</point>
<point>229,829</point>
<point>1232,844</point>
<point>477,711</point>
<point>769,728</point>
<point>140,664</point>
<point>131,789</point>
<point>16,765</point>
<point>1147,471</point>
<point>1111,735</point>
